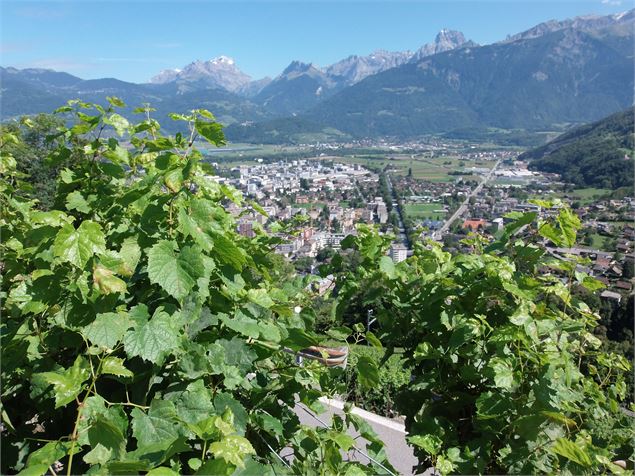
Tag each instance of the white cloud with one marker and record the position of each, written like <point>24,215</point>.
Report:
<point>612,2</point>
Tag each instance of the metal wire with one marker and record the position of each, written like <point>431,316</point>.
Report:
<point>355,447</point>
<point>273,451</point>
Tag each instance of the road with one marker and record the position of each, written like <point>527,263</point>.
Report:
<point>437,235</point>
<point>402,229</point>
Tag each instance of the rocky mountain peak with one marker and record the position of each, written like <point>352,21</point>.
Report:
<point>445,40</point>
<point>297,67</point>
<point>220,72</point>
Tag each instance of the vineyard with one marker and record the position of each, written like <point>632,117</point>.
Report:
<point>143,335</point>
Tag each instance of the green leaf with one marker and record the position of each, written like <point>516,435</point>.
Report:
<point>76,201</point>
<point>299,339</point>
<point>159,425</point>
<point>217,467</point>
<point>569,223</point>
<point>117,154</point>
<point>67,384</point>
<point>387,266</point>
<point>242,324</point>
<point>571,451</point>
<point>107,329</point>
<point>35,470</point>
<point>176,272</point>
<point>118,122</point>
<point>227,251</point>
<point>98,455</point>
<point>162,471</point>
<point>344,441</point>
<point>173,179</point>
<point>154,339</point>
<point>115,366</point>
<point>130,254</point>
<point>261,297</point>
<point>502,372</point>
<point>367,372</point>
<point>373,340</point>
<point>77,246</point>
<point>194,404</point>
<point>54,218</point>
<point>212,131</point>
<point>491,405</point>
<point>106,282</point>
<point>232,449</point>
<point>431,444</point>
<point>115,101</point>
<point>105,433</point>
<point>49,453</point>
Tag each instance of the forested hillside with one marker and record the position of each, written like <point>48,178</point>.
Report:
<point>594,155</point>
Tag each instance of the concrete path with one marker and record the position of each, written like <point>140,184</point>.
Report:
<point>392,433</point>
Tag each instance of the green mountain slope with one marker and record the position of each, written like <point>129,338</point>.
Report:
<point>561,77</point>
<point>594,155</point>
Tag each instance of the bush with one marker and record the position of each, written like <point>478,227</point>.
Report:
<point>393,377</point>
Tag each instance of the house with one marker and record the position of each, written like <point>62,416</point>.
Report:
<point>612,296</point>
<point>623,285</point>
<point>474,225</point>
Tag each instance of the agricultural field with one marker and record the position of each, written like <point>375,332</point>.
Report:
<point>436,169</point>
<point>246,154</point>
<point>586,196</point>
<point>425,210</point>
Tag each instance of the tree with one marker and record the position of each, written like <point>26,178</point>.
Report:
<point>37,156</point>
<point>325,254</point>
<point>304,264</point>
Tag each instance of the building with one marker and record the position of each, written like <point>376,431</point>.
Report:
<point>398,253</point>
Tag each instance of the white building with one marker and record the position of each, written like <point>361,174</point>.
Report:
<point>398,253</point>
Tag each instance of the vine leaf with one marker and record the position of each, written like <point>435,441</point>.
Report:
<point>232,449</point>
<point>367,372</point>
<point>176,272</point>
<point>159,425</point>
<point>49,453</point>
<point>502,373</point>
<point>67,384</point>
<point>212,131</point>
<point>76,201</point>
<point>571,451</point>
<point>107,329</point>
<point>105,433</point>
<point>387,266</point>
<point>77,246</point>
<point>106,282</point>
<point>115,366</point>
<point>153,339</point>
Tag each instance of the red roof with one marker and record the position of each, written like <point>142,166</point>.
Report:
<point>474,225</point>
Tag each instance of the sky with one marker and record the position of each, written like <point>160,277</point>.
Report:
<point>134,40</point>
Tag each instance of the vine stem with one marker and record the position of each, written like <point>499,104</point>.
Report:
<point>80,408</point>
<point>204,451</point>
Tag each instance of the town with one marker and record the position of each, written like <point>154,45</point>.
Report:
<point>422,195</point>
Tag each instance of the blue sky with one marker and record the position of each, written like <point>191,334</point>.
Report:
<point>133,40</point>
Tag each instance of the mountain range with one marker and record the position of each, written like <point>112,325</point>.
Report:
<point>554,74</point>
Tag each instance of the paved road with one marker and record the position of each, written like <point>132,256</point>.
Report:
<point>392,433</point>
<point>437,235</point>
<point>402,229</point>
